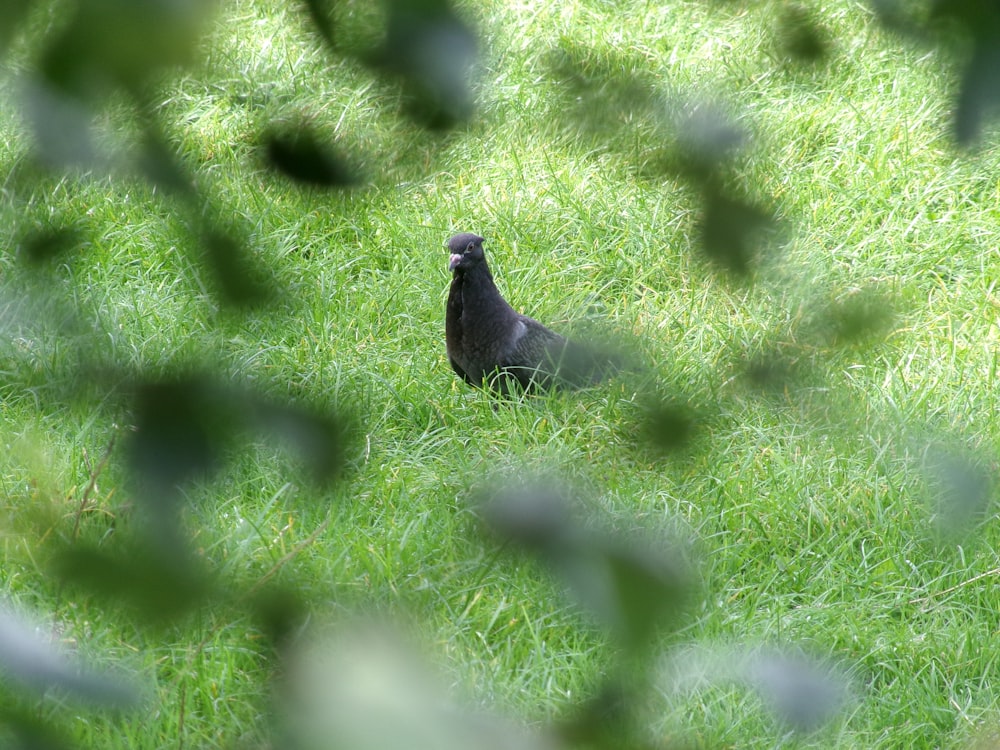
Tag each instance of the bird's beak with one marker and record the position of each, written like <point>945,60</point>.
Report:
<point>453,261</point>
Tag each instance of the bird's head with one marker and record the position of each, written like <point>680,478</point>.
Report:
<point>466,250</point>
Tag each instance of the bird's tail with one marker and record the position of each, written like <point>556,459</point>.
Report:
<point>581,365</point>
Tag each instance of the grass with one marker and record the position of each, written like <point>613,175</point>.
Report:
<point>804,497</point>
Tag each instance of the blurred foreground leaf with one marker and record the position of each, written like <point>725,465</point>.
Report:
<point>102,48</point>
<point>241,281</point>
<point>12,13</point>
<point>46,245</point>
<point>22,729</point>
<point>279,613</point>
<point>605,721</point>
<point>319,12</point>
<point>31,661</point>
<point>970,31</point>
<point>979,91</point>
<point>977,23</point>
<point>108,43</point>
<point>707,136</point>
<point>802,692</point>
<point>856,317</point>
<point>158,587</point>
<point>633,586</point>
<point>183,427</point>
<point>731,231</point>
<point>669,425</point>
<point>434,53</point>
<point>603,91</point>
<point>186,425</point>
<point>800,36</point>
<point>366,687</point>
<point>962,490</point>
<point>315,437</point>
<point>296,151</point>
<point>159,163</point>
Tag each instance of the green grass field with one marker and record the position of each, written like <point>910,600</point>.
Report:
<point>843,399</point>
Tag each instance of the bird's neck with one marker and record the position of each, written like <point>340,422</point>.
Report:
<point>487,301</point>
<point>480,274</point>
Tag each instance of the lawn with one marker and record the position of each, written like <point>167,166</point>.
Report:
<point>808,444</point>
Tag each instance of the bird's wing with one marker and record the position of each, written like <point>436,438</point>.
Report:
<point>531,354</point>
<point>460,372</point>
<point>541,356</point>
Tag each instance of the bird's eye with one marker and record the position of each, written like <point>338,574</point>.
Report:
<point>469,247</point>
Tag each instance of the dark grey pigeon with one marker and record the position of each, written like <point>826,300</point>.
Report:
<point>490,342</point>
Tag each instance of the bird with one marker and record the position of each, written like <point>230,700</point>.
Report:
<point>490,344</point>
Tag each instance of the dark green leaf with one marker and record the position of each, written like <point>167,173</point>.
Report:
<point>241,281</point>
<point>856,317</point>
<point>161,166</point>
<point>319,12</point>
<point>158,587</point>
<point>109,43</point>
<point>979,90</point>
<point>315,437</point>
<point>962,490</point>
<point>23,730</point>
<point>183,427</point>
<point>632,588</point>
<point>669,425</point>
<point>46,245</point>
<point>12,13</point>
<point>800,36</point>
<point>298,153</point>
<point>434,52</point>
<point>731,230</point>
